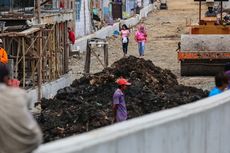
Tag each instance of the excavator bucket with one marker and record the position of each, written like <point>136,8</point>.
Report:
<point>204,55</point>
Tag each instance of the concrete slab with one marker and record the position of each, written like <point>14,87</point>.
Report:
<point>50,89</point>
<point>205,43</point>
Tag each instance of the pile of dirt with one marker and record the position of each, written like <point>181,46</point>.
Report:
<point>87,103</point>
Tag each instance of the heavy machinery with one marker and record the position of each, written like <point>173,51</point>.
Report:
<point>206,49</point>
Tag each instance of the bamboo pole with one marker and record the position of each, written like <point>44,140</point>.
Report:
<point>56,49</point>
<point>24,62</point>
<point>33,72</point>
<point>18,52</point>
<point>28,49</point>
<point>53,55</point>
<point>66,50</point>
<point>40,66</point>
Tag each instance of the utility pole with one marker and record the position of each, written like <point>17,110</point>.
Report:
<point>38,10</point>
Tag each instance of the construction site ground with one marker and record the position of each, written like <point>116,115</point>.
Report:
<point>164,28</point>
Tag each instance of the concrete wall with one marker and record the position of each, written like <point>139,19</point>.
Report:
<point>50,89</point>
<point>226,5</point>
<point>130,4</point>
<point>108,31</point>
<point>83,26</point>
<point>201,127</point>
<point>146,3</point>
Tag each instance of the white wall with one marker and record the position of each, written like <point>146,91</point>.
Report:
<point>130,4</point>
<point>81,28</point>
<point>226,5</point>
<point>50,89</point>
<point>201,127</point>
<point>146,3</point>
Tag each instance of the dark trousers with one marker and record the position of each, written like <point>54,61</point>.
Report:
<point>125,47</point>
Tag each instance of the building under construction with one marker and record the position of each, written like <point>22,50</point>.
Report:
<point>35,37</point>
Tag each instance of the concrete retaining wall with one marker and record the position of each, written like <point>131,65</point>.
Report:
<point>50,89</point>
<point>201,127</point>
<point>108,31</point>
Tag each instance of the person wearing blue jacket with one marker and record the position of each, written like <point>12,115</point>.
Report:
<point>221,81</point>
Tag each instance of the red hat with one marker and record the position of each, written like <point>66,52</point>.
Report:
<point>122,82</point>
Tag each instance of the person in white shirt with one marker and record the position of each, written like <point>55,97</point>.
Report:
<point>19,132</point>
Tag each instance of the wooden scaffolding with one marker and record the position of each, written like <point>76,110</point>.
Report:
<point>38,55</point>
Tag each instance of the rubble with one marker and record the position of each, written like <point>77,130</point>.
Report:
<point>87,103</point>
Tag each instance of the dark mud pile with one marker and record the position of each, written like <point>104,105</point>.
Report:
<point>87,103</point>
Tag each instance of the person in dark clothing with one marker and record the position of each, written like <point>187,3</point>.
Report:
<point>125,38</point>
<point>227,72</point>
<point>210,12</point>
<point>96,18</point>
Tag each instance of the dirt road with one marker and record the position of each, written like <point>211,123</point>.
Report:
<point>164,29</point>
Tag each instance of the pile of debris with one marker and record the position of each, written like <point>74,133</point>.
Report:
<point>87,103</point>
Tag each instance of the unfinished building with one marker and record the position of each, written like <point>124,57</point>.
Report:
<point>35,37</point>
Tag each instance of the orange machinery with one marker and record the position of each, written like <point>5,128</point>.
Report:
<point>206,49</point>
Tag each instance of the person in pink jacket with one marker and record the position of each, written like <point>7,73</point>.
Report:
<point>141,37</point>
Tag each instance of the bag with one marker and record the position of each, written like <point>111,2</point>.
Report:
<point>125,40</point>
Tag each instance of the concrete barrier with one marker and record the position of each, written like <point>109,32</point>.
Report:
<point>108,31</point>
<point>50,89</point>
<point>201,127</point>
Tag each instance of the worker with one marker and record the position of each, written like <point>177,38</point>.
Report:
<point>221,81</point>
<point>210,12</point>
<point>72,37</point>
<point>62,4</point>
<point>3,54</point>
<point>178,47</point>
<point>19,132</point>
<point>227,72</point>
<point>226,20</point>
<point>119,105</point>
